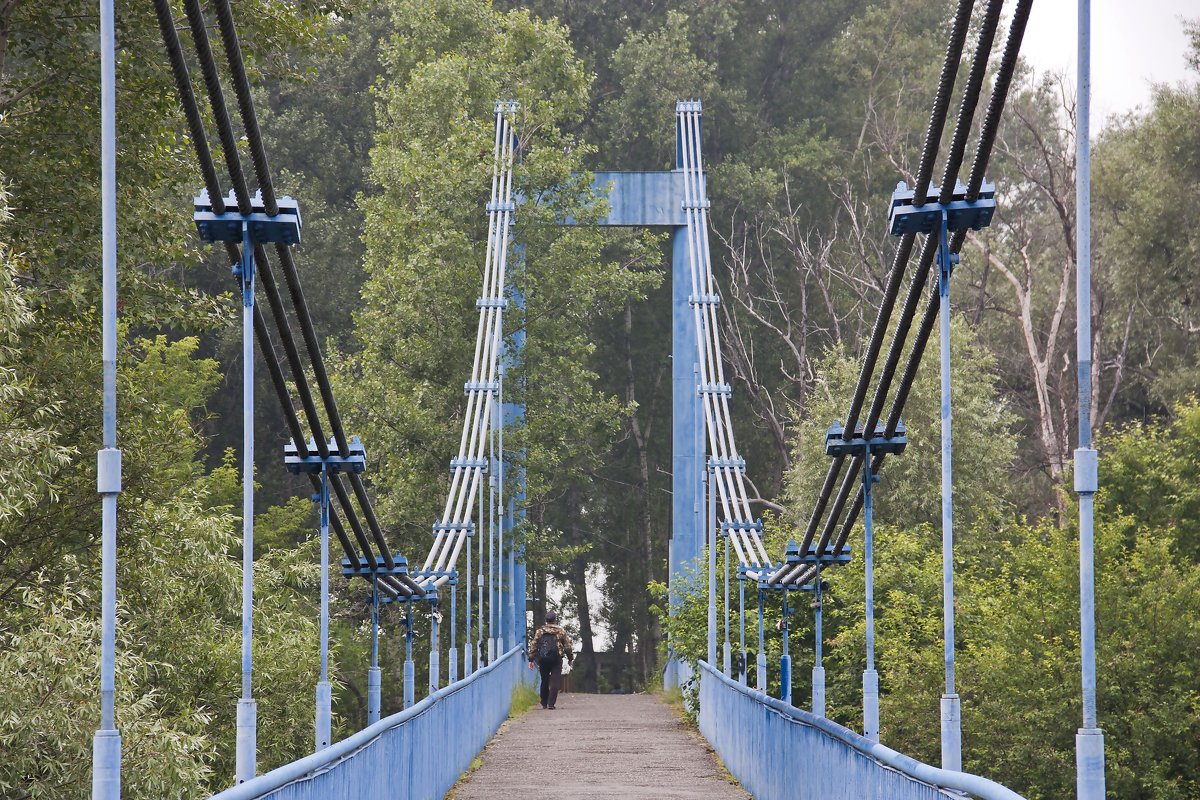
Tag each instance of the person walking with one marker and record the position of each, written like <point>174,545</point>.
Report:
<point>550,645</point>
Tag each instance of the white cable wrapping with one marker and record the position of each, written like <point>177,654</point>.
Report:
<point>453,529</point>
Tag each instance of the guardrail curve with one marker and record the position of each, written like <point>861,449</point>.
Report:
<point>767,745</point>
<point>421,751</point>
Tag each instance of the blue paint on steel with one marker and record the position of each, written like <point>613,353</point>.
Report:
<point>818,674</point>
<point>763,752</point>
<point>686,454</point>
<point>374,676</point>
<point>1089,741</point>
<point>727,656</point>
<point>709,492</point>
<point>312,463</point>
<point>418,753</point>
<point>641,199</point>
<point>106,743</point>
<point>742,658</point>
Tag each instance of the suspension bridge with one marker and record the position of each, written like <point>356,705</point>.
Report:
<point>773,745</point>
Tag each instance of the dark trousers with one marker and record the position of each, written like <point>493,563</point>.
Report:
<point>551,680</point>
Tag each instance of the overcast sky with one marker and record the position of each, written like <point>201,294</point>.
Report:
<point>1134,43</point>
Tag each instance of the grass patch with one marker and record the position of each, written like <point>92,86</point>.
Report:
<point>524,697</point>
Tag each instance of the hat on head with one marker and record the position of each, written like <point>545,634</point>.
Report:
<point>551,617</point>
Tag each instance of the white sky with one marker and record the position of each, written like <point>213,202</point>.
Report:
<point>1135,43</point>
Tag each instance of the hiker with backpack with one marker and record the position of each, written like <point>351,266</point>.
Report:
<point>550,645</point>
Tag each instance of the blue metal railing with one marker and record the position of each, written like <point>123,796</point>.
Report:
<point>418,753</point>
<point>779,751</point>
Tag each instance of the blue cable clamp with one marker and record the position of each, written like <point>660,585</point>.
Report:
<point>284,227</point>
<point>837,443</point>
<point>356,461</point>
<point>961,214</point>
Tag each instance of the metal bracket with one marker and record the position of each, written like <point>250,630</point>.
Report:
<point>313,463</point>
<point>838,444</point>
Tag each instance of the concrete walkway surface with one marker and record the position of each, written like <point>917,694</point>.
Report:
<point>598,746</point>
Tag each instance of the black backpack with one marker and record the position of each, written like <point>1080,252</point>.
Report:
<point>547,649</point>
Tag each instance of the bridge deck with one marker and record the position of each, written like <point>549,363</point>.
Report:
<point>598,746</point>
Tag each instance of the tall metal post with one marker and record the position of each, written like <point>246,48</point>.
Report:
<point>712,567</point>
<point>324,713</point>
<point>502,595</point>
<point>742,666</point>
<point>491,570</point>
<point>435,646</point>
<point>374,675</point>
<point>246,757</point>
<point>452,650</point>
<point>1089,741</point>
<point>761,661</point>
<point>106,743</point>
<point>818,673</point>
<point>785,660</point>
<point>410,672</point>
<point>951,708</point>
<point>468,643</point>
<point>727,665</point>
<point>870,676</point>
<point>479,587</point>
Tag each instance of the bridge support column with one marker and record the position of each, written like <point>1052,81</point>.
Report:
<point>785,661</point>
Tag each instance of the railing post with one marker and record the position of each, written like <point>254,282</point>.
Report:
<point>712,567</point>
<point>374,676</point>
<point>410,672</point>
<point>870,676</point>
<point>742,665</point>
<point>106,743</point>
<point>435,646</point>
<point>818,673</point>
<point>1089,741</point>
<point>324,712</point>
<point>762,650</point>
<point>785,661</point>
<point>727,656</point>
<point>951,709</point>
<point>452,650</point>
<point>245,761</point>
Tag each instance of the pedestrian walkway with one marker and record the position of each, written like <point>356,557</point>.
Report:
<point>598,746</point>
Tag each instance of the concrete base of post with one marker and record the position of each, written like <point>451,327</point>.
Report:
<point>246,756</point>
<point>410,683</point>
<point>742,670</point>
<point>871,704</point>
<point>452,666</point>
<point>468,664</point>
<point>491,649</point>
<point>435,671</point>
<point>727,661</point>
<point>951,732</point>
<point>785,679</point>
<point>1089,764</point>
<point>761,677</point>
<point>374,694</point>
<point>106,765</point>
<point>324,715</point>
<point>818,691</point>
